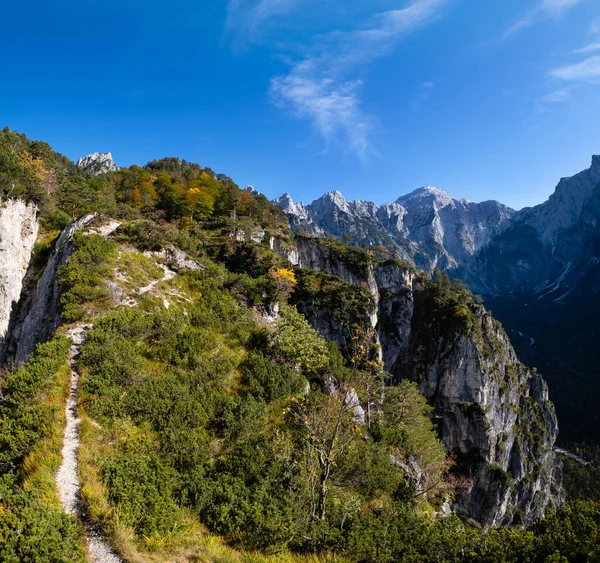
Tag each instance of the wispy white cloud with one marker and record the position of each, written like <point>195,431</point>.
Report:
<point>332,107</point>
<point>247,17</point>
<point>594,46</point>
<point>557,6</point>
<point>587,69</point>
<point>591,48</point>
<point>425,91</point>
<point>544,9</point>
<point>557,96</point>
<point>322,87</point>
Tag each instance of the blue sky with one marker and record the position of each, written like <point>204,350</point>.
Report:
<point>487,99</point>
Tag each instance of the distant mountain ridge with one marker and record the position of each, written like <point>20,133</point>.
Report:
<point>547,248</point>
<point>497,250</point>
<point>538,269</point>
<point>427,227</point>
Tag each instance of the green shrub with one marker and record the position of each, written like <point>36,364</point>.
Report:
<point>57,220</point>
<point>83,278</point>
<point>32,531</point>
<point>24,418</point>
<point>141,487</point>
<point>269,381</point>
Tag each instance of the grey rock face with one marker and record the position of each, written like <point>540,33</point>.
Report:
<point>545,249</point>
<point>98,163</point>
<point>496,415</point>
<point>428,227</point>
<point>178,260</point>
<point>39,315</point>
<point>18,232</point>
<point>299,217</point>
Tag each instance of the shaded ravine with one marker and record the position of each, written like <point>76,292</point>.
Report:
<point>67,479</point>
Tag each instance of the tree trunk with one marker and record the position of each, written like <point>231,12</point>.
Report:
<point>322,497</point>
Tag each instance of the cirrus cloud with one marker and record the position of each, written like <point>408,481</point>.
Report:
<point>587,69</point>
<point>321,87</point>
<point>247,17</point>
<point>544,9</point>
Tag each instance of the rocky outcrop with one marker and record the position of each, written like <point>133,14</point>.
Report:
<point>98,163</point>
<point>496,417</point>
<point>541,276</point>
<point>38,315</point>
<point>428,227</point>
<point>495,413</point>
<point>176,259</point>
<point>299,217</point>
<point>18,233</point>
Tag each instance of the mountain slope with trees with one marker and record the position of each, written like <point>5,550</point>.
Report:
<point>217,423</point>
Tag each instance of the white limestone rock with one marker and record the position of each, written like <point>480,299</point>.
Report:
<point>98,163</point>
<point>18,232</point>
<point>493,411</point>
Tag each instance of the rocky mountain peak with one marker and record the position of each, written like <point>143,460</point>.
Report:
<point>335,197</point>
<point>426,193</point>
<point>290,207</point>
<point>98,163</point>
<point>285,202</point>
<point>427,227</point>
<point>332,201</point>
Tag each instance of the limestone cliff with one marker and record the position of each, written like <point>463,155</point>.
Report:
<point>495,414</point>
<point>38,314</point>
<point>18,233</point>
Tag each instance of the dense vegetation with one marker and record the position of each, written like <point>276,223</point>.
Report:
<point>33,526</point>
<point>226,411</point>
<point>209,412</point>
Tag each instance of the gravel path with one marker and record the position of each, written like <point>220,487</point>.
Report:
<point>577,458</point>
<point>67,479</point>
<point>169,275</point>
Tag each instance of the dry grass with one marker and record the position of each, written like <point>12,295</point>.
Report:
<point>138,269</point>
<point>42,463</point>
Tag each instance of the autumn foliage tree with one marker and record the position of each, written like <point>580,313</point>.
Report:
<point>284,279</point>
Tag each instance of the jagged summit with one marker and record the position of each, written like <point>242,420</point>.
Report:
<point>331,200</point>
<point>335,196</point>
<point>289,206</point>
<point>427,227</point>
<point>98,163</point>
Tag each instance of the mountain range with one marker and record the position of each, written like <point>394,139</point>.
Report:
<point>538,268</point>
<point>427,227</point>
